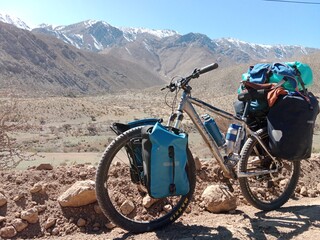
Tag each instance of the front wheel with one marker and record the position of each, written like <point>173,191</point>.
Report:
<point>124,199</point>
<point>266,191</point>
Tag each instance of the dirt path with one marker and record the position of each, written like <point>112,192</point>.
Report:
<point>298,219</point>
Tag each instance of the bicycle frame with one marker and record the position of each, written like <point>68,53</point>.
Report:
<point>186,105</point>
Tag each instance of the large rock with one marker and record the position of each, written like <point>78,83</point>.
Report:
<point>217,199</point>
<point>79,194</point>
<point>3,199</point>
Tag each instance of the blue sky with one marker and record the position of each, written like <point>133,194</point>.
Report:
<point>255,21</point>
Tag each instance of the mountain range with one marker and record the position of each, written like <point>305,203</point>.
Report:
<point>92,57</point>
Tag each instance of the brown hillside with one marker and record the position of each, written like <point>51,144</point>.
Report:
<point>38,64</point>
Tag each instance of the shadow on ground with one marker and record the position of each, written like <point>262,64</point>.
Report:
<point>285,223</point>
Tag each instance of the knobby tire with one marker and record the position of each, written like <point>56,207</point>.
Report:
<point>268,196</point>
<point>108,202</point>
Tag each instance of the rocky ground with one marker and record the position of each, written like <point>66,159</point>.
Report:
<point>32,206</point>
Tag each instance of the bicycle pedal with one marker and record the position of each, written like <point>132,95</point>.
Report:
<point>229,185</point>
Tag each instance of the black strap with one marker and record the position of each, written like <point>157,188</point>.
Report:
<point>305,91</point>
<point>300,80</point>
<point>172,187</point>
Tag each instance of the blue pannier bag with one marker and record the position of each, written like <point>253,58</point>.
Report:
<point>164,153</point>
<point>134,147</point>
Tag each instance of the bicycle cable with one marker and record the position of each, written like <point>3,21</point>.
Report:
<point>174,101</point>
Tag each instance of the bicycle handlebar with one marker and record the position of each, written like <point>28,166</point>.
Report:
<point>196,73</point>
<point>208,68</point>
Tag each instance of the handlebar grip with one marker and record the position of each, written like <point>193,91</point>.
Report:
<point>208,68</point>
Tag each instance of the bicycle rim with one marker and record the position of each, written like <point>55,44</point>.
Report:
<point>267,191</point>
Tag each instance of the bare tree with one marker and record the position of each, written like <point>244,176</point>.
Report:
<point>10,121</point>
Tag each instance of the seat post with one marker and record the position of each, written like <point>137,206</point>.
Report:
<point>246,111</point>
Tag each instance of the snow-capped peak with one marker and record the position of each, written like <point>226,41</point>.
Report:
<point>238,43</point>
<point>13,20</point>
<point>158,33</point>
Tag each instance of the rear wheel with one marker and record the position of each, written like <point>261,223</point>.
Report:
<point>124,200</point>
<point>266,191</point>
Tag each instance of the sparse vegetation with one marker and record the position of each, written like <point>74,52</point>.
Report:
<point>10,122</point>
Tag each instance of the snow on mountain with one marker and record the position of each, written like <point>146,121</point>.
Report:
<point>99,35</point>
<point>131,33</point>
<point>14,21</point>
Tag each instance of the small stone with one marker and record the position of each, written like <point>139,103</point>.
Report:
<point>44,166</point>
<point>96,229</point>
<point>318,187</point>
<point>31,215</point>
<point>8,232</point>
<point>16,198</point>
<point>110,225</point>
<point>304,191</point>
<point>19,180</point>
<point>3,199</point>
<point>41,208</point>
<point>97,209</point>
<point>19,196</point>
<point>50,222</point>
<point>197,163</point>
<point>96,225</point>
<point>127,207</point>
<point>19,224</point>
<point>188,209</point>
<point>36,187</point>
<point>83,175</point>
<point>283,183</point>
<point>148,201</point>
<point>81,222</point>
<point>312,193</point>
<point>167,208</point>
<point>55,231</point>
<point>2,219</point>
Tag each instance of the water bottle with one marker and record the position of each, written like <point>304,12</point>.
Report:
<point>213,129</point>
<point>231,137</point>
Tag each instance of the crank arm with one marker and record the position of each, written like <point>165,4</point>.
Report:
<point>258,173</point>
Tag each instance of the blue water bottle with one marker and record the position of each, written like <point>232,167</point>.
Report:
<point>213,129</point>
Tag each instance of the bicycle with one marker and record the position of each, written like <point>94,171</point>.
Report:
<point>265,181</point>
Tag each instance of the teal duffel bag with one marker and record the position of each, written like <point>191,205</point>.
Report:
<point>164,154</point>
<point>275,72</point>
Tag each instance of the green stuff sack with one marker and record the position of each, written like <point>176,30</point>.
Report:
<point>275,72</point>
<point>305,71</point>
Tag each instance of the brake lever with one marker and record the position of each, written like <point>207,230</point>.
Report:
<point>171,86</point>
